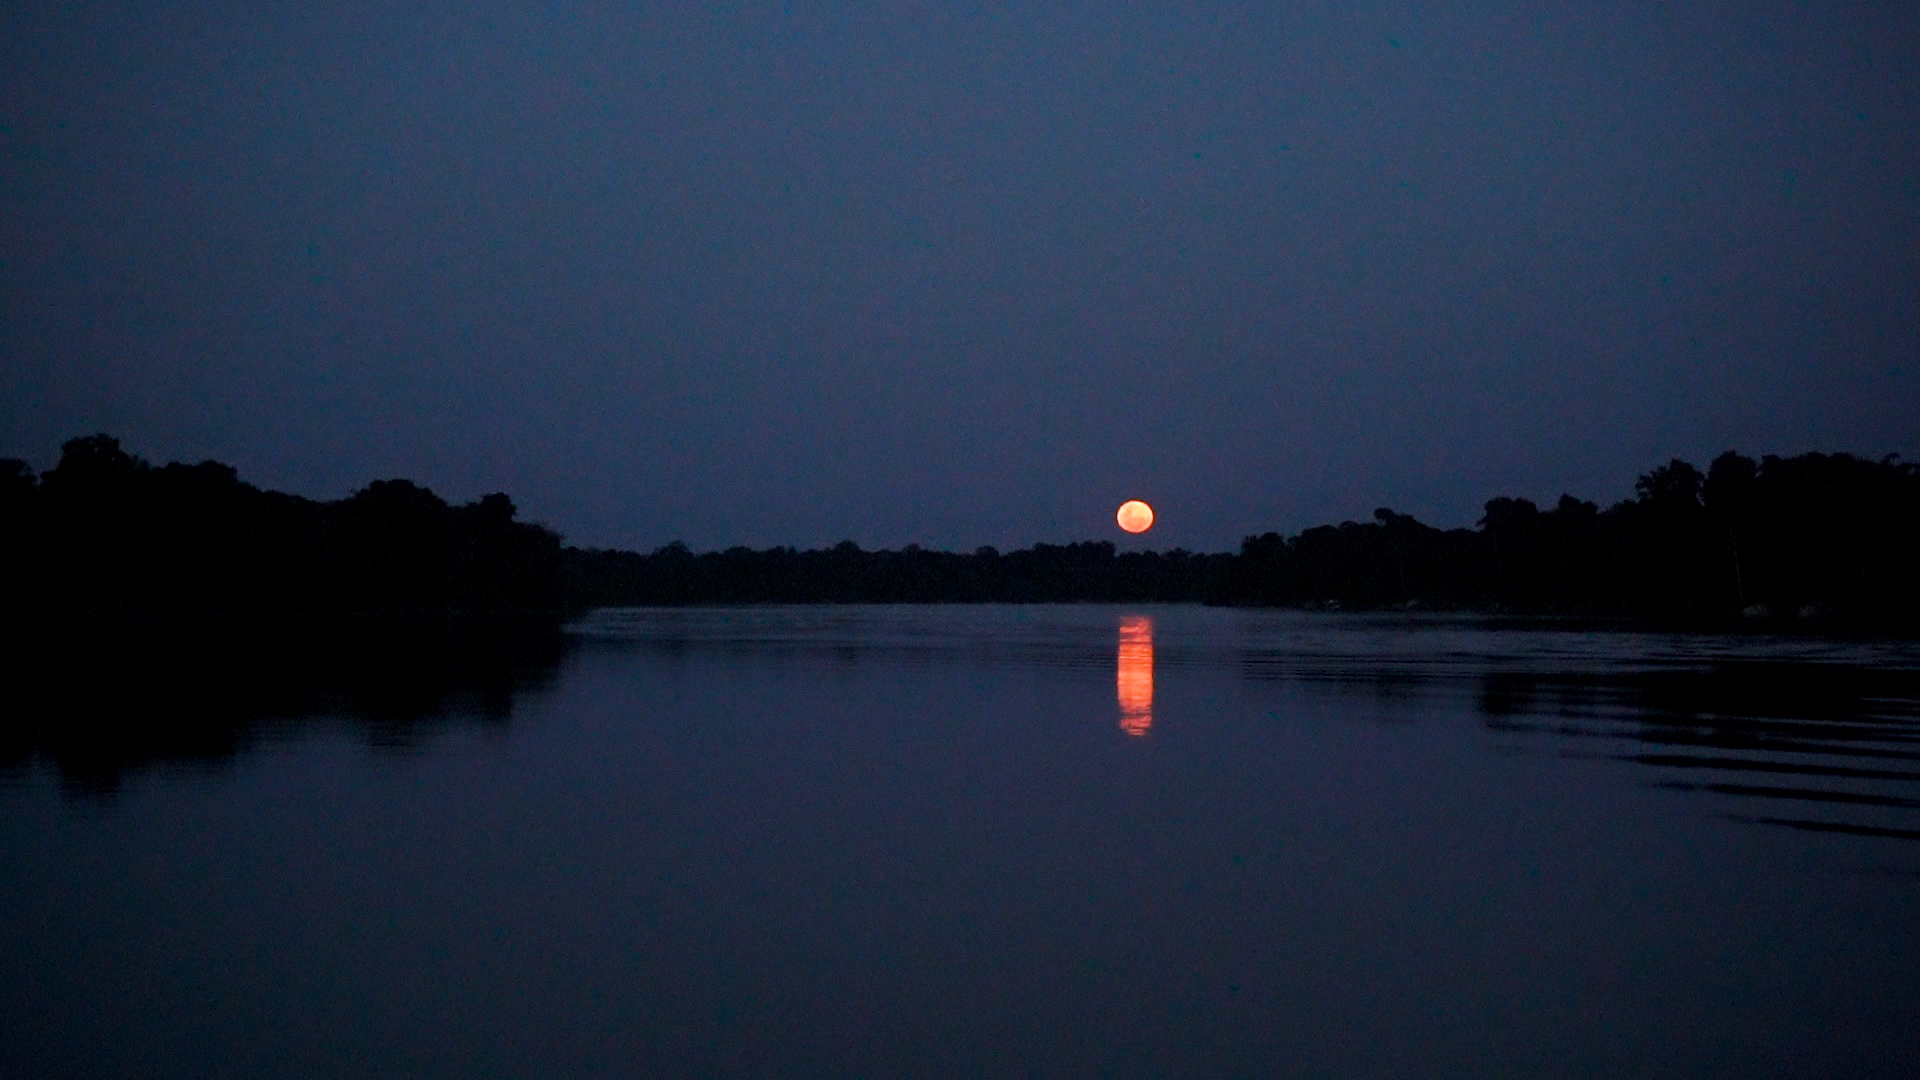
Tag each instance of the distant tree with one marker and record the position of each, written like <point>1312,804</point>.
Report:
<point>94,463</point>
<point>1671,488</point>
<point>1512,526</point>
<point>1666,547</point>
<point>1728,496</point>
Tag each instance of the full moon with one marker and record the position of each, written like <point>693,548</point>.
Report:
<point>1135,516</point>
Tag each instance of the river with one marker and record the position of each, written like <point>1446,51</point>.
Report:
<point>978,841</point>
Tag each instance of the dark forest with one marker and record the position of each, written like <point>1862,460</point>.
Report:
<point>105,532</point>
<point>1812,538</point>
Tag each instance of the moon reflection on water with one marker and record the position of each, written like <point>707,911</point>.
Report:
<point>1136,674</point>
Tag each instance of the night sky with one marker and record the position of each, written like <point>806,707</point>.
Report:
<point>960,274</point>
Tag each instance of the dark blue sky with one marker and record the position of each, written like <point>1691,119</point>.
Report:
<point>960,273</point>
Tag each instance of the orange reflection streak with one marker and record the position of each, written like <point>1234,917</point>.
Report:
<point>1136,674</point>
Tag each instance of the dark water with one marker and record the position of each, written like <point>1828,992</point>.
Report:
<point>955,841</point>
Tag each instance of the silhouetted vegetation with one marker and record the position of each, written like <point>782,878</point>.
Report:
<point>1818,536</point>
<point>149,605</point>
<point>105,533</point>
<point>1044,573</point>
<point>175,613</point>
<point>1822,536</point>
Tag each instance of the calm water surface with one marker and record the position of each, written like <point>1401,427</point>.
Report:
<point>978,841</point>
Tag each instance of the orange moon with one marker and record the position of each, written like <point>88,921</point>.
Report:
<point>1135,516</point>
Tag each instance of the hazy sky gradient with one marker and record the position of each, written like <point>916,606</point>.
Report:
<point>959,274</point>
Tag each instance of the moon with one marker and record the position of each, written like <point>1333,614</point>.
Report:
<point>1135,516</point>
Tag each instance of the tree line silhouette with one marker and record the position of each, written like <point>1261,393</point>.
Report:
<point>1817,535</point>
<point>105,532</point>
<point>1827,536</point>
<point>1043,573</point>
<point>1814,535</point>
